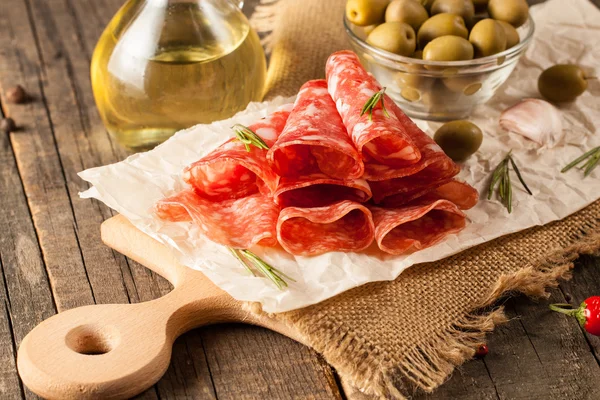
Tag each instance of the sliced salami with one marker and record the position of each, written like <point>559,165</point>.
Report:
<point>231,171</point>
<point>460,193</point>
<point>383,137</point>
<point>319,190</point>
<point>434,168</point>
<point>239,223</point>
<point>344,226</point>
<point>315,139</point>
<point>411,228</point>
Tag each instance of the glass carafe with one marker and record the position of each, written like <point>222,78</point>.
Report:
<point>165,65</point>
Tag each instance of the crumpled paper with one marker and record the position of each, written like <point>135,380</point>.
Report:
<point>565,34</point>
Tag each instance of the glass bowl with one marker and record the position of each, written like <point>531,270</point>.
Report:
<point>437,90</point>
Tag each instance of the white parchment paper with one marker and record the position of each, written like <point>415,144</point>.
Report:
<point>567,32</point>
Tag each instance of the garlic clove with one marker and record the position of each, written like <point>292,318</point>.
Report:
<point>535,119</point>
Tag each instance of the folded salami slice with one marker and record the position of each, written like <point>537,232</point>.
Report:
<point>434,168</point>
<point>231,171</point>
<point>344,226</point>
<point>460,193</point>
<point>315,138</point>
<point>239,223</point>
<point>407,229</point>
<point>319,190</point>
<point>382,138</point>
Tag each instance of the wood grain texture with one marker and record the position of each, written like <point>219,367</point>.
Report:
<point>52,257</point>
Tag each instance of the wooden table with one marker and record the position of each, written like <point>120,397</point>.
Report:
<point>52,258</point>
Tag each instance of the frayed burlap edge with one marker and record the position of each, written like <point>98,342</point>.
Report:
<point>430,364</point>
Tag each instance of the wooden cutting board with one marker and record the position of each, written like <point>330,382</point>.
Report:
<point>116,351</point>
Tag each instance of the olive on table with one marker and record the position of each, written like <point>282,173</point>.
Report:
<point>562,82</point>
<point>448,48</point>
<point>512,36</point>
<point>410,12</point>
<point>395,37</point>
<point>366,12</point>
<point>441,25</point>
<point>488,38</point>
<point>463,8</point>
<point>459,139</point>
<point>480,5</point>
<point>515,12</point>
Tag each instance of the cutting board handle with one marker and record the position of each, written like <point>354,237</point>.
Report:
<point>110,351</point>
<point>115,351</point>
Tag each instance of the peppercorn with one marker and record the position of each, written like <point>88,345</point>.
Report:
<point>482,351</point>
<point>16,95</point>
<point>7,125</point>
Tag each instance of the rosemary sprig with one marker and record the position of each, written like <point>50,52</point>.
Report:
<point>593,159</point>
<point>372,103</point>
<point>235,253</point>
<point>501,176</point>
<point>272,273</point>
<point>248,137</point>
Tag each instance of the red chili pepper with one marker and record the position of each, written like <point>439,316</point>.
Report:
<point>588,313</point>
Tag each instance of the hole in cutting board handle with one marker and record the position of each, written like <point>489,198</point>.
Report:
<point>92,339</point>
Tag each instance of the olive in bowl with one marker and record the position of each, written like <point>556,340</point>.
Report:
<point>410,12</point>
<point>395,37</point>
<point>441,25</point>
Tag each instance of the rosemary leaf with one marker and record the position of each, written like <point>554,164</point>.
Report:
<point>248,137</point>
<point>578,160</point>
<point>509,192</point>
<point>267,270</point>
<point>235,253</point>
<point>512,162</point>
<point>592,164</point>
<point>495,177</point>
<point>372,103</point>
<point>501,177</point>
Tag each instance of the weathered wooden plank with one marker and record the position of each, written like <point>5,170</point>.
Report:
<point>25,296</point>
<point>10,387</point>
<point>470,381</point>
<point>537,355</point>
<point>251,363</point>
<point>39,166</point>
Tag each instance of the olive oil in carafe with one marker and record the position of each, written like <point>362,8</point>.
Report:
<point>174,64</point>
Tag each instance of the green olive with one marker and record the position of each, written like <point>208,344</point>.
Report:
<point>487,37</point>
<point>427,4</point>
<point>407,11</point>
<point>406,79</point>
<point>438,99</point>
<point>463,8</point>
<point>480,5</point>
<point>563,82</point>
<point>448,48</point>
<point>515,12</point>
<point>367,29</point>
<point>441,25</point>
<point>366,12</point>
<point>467,85</point>
<point>395,37</point>
<point>512,36</point>
<point>459,139</point>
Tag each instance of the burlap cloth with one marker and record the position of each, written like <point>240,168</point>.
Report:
<point>391,338</point>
